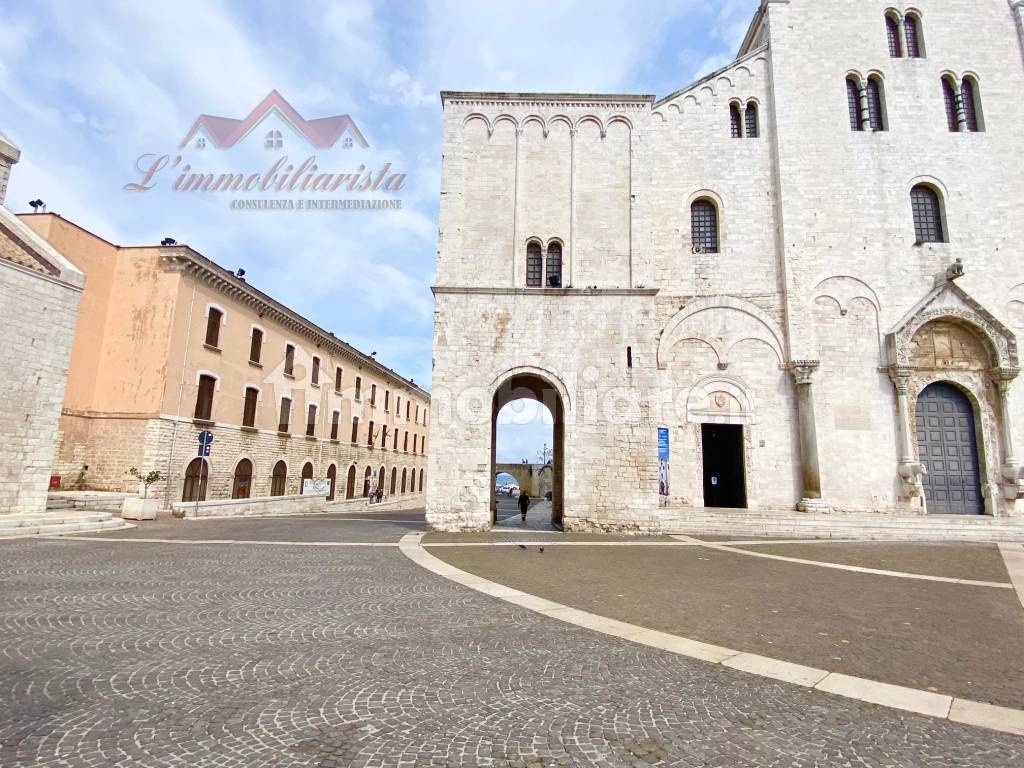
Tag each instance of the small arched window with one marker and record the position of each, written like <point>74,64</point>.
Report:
<point>421,480</point>
<point>394,479</point>
<point>213,322</point>
<point>278,478</point>
<point>273,140</point>
<point>914,38</point>
<point>307,474</point>
<point>735,121</point>
<point>853,103</point>
<point>554,275</point>
<point>972,104</point>
<point>753,127</point>
<point>927,209</point>
<point>952,113</point>
<point>355,429</point>
<point>369,435</point>
<point>404,479</point>
<point>350,483</point>
<point>892,29</point>
<point>197,473</point>
<point>876,104</point>
<point>241,486</point>
<point>704,226</point>
<point>332,476</point>
<point>534,265</point>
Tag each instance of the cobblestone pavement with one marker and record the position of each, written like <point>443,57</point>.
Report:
<point>251,655</point>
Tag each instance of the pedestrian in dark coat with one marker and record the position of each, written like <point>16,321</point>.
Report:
<point>524,504</point>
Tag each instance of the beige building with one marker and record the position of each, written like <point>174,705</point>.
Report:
<point>801,275</point>
<point>39,297</point>
<point>169,345</point>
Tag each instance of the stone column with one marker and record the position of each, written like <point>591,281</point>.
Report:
<point>810,470</point>
<point>910,471</point>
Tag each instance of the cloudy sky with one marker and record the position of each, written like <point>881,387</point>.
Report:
<point>91,87</point>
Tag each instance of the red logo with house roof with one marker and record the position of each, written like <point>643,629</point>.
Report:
<point>323,132</point>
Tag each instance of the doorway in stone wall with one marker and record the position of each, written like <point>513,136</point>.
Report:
<point>725,481</point>
<point>527,438</point>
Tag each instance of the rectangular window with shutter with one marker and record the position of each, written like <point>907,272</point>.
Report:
<point>249,413</point>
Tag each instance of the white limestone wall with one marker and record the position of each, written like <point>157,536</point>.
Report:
<point>577,341</point>
<point>37,314</point>
<point>844,196</point>
<point>518,167</point>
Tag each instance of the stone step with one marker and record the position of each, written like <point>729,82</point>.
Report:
<point>880,527</point>
<point>14,526</point>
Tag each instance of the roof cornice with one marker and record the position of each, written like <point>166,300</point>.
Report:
<point>633,100</point>
<point>198,267</point>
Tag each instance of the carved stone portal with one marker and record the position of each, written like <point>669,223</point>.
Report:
<point>950,336</point>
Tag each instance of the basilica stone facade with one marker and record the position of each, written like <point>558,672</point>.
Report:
<point>803,272</point>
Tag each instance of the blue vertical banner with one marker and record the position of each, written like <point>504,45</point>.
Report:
<point>663,459</point>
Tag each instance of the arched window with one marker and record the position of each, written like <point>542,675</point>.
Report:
<point>369,436</point>
<point>355,429</point>
<point>949,94</point>
<point>332,475</point>
<point>382,476</point>
<point>927,214</point>
<point>735,121</point>
<point>554,275</point>
<point>403,479</point>
<point>197,473</point>
<point>853,103</point>
<point>366,482</point>
<point>213,321</point>
<point>311,420</point>
<point>421,481</point>
<point>278,478</point>
<point>350,483</point>
<point>534,265</point>
<point>307,474</point>
<point>876,104</point>
<point>204,397</point>
<point>704,226</point>
<point>753,128</point>
<point>405,442</point>
<point>252,396</point>
<point>892,29</point>
<point>912,33</point>
<point>241,486</point>
<point>273,140</point>
<point>972,104</point>
<point>395,446</point>
<point>394,479</point>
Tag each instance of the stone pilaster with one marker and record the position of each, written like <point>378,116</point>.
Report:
<point>1012,470</point>
<point>910,470</point>
<point>9,155</point>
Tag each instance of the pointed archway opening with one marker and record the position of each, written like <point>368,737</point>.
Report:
<point>527,442</point>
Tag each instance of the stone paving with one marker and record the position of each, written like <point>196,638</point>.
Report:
<point>172,654</point>
<point>966,641</point>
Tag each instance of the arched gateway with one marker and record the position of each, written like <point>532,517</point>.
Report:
<point>531,385</point>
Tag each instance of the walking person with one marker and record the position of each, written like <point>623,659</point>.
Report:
<point>524,503</point>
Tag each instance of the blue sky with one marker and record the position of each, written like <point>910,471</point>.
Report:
<point>89,87</point>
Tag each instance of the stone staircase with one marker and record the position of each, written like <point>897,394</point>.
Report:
<point>838,525</point>
<point>59,522</point>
